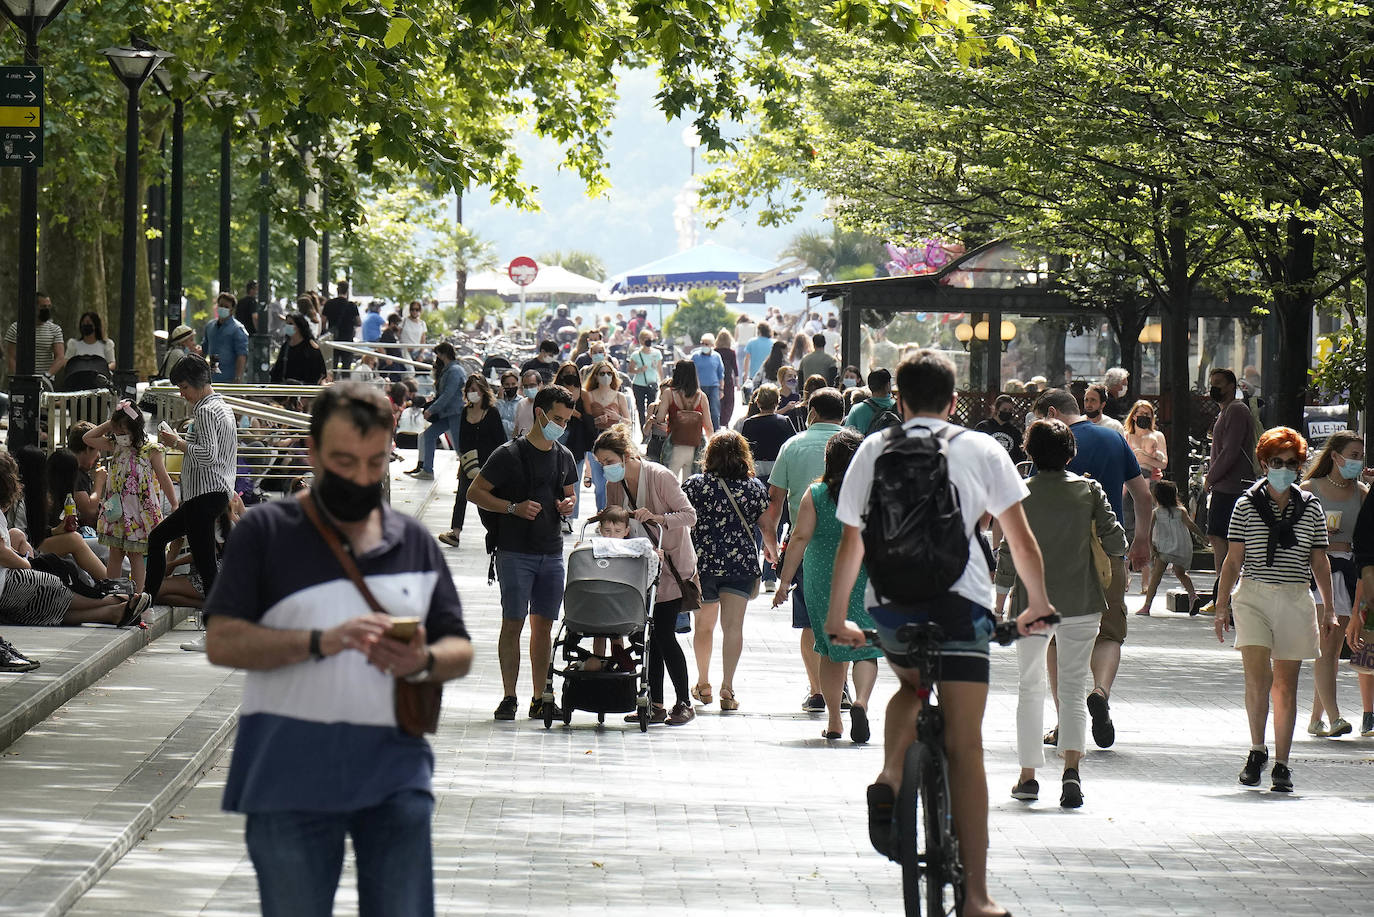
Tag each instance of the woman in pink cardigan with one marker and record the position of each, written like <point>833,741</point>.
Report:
<point>653,494</point>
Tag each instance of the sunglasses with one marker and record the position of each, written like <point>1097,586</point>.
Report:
<point>1291,464</point>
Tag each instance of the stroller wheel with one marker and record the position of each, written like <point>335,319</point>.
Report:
<point>548,714</point>
<point>567,714</point>
<point>643,719</point>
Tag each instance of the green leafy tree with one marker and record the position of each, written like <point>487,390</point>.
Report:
<point>703,311</point>
<point>839,254</point>
<point>586,264</point>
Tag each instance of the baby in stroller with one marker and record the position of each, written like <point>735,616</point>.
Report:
<point>613,522</point>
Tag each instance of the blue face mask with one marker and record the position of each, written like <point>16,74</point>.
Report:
<point>1281,478</point>
<point>598,358</point>
<point>1351,468</point>
<point>551,430</point>
<point>614,473</point>
<point>531,391</point>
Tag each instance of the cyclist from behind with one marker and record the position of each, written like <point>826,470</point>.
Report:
<point>982,473</point>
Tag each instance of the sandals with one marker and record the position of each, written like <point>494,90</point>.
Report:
<point>702,693</point>
<point>727,700</point>
<point>134,608</point>
<point>831,736</point>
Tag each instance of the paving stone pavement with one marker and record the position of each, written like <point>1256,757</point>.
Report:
<point>753,812</point>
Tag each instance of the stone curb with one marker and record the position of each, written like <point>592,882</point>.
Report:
<point>130,810</point>
<point>33,698</point>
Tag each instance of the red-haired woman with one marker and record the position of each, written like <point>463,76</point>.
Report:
<point>1278,544</point>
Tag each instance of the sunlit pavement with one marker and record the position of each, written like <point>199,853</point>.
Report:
<point>753,812</point>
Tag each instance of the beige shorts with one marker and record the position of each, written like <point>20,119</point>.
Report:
<point>1282,619</point>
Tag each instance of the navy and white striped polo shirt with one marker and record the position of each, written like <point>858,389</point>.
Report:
<point>321,735</point>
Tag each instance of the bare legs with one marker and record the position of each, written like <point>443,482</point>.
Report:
<point>508,653</point>
<point>732,608</point>
<point>702,639</point>
<point>1269,681</point>
<point>107,609</point>
<point>812,661</point>
<point>1324,687</point>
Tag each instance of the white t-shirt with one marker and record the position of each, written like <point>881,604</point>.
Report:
<point>832,343</point>
<point>412,330</point>
<point>980,470</point>
<point>76,347</point>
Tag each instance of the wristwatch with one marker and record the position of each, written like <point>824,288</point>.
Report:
<point>510,508</point>
<point>424,674</point>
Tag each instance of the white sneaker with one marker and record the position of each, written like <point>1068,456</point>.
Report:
<point>770,586</point>
<point>195,646</point>
<point>1318,729</point>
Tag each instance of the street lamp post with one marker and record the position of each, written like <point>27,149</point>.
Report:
<point>223,100</point>
<point>176,199</point>
<point>29,16</point>
<point>133,66</point>
<point>264,182</point>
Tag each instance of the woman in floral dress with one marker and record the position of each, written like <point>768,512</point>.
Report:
<point>130,506</point>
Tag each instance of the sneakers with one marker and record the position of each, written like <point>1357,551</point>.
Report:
<point>1254,766</point>
<point>1318,728</point>
<point>418,469</point>
<point>11,660</point>
<point>814,703</point>
<point>195,646</point>
<point>881,802</point>
<point>1026,790</point>
<point>1104,733</point>
<point>537,709</point>
<point>1367,725</point>
<point>845,702</point>
<point>1282,778</point>
<point>656,715</point>
<point>450,538</point>
<point>421,475</point>
<point>1339,727</point>
<point>1071,795</point>
<point>681,714</point>
<point>770,586</point>
<point>506,709</point>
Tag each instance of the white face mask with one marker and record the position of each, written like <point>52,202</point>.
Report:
<point>605,378</point>
<point>222,312</point>
<point>474,397</point>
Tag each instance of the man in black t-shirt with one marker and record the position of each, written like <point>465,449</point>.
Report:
<point>545,362</point>
<point>341,316</point>
<point>529,484</point>
<point>246,310</point>
<point>1002,426</point>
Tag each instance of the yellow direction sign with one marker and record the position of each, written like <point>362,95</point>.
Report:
<point>20,117</point>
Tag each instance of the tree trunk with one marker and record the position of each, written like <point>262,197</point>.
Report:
<point>71,263</point>
<point>1294,304</point>
<point>1367,204</point>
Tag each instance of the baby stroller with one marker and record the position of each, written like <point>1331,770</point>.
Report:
<point>604,597</point>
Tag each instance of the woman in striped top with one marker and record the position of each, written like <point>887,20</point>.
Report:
<point>1278,543</point>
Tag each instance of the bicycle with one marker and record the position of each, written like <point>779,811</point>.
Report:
<point>924,842</point>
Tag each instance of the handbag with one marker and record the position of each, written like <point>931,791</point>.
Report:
<point>691,592</point>
<point>684,428</point>
<point>748,531</point>
<point>417,705</point>
<point>470,467</point>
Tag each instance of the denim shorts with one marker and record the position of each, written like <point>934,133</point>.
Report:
<point>530,583</point>
<point>713,586</point>
<point>967,626</point>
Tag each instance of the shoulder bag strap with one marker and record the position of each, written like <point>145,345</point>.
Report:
<point>331,538</point>
<point>672,567</point>
<point>748,529</point>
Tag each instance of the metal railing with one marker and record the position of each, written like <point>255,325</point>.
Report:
<point>62,409</point>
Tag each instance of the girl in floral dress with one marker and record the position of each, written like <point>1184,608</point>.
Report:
<point>130,507</point>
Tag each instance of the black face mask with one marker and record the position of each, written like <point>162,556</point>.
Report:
<point>1145,423</point>
<point>510,392</point>
<point>1004,416</point>
<point>1092,415</point>
<point>1215,393</point>
<point>43,315</point>
<point>345,500</point>
<point>87,329</point>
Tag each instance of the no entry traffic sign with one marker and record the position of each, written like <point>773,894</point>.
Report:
<point>523,270</point>
<point>21,116</point>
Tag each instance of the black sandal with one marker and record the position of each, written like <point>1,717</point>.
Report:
<point>134,608</point>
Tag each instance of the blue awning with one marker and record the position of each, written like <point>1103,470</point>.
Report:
<point>706,265</point>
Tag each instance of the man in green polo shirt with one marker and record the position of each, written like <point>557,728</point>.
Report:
<point>863,414</point>
<point>800,462</point>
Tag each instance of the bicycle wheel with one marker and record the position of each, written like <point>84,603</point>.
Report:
<point>942,874</point>
<point>910,843</point>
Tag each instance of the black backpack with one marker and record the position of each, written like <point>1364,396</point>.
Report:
<point>915,543</point>
<point>882,417</point>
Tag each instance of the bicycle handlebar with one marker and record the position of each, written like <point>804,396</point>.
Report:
<point>1004,634</point>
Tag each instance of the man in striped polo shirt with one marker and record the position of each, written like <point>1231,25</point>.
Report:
<point>207,475</point>
<point>320,753</point>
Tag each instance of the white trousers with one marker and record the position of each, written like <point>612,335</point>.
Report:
<point>1074,638</point>
<point>680,463</point>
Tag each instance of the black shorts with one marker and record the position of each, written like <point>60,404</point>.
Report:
<point>1219,509</point>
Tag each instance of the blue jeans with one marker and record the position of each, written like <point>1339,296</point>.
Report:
<point>429,440</point>
<point>598,481</point>
<point>298,857</point>
<point>713,400</point>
